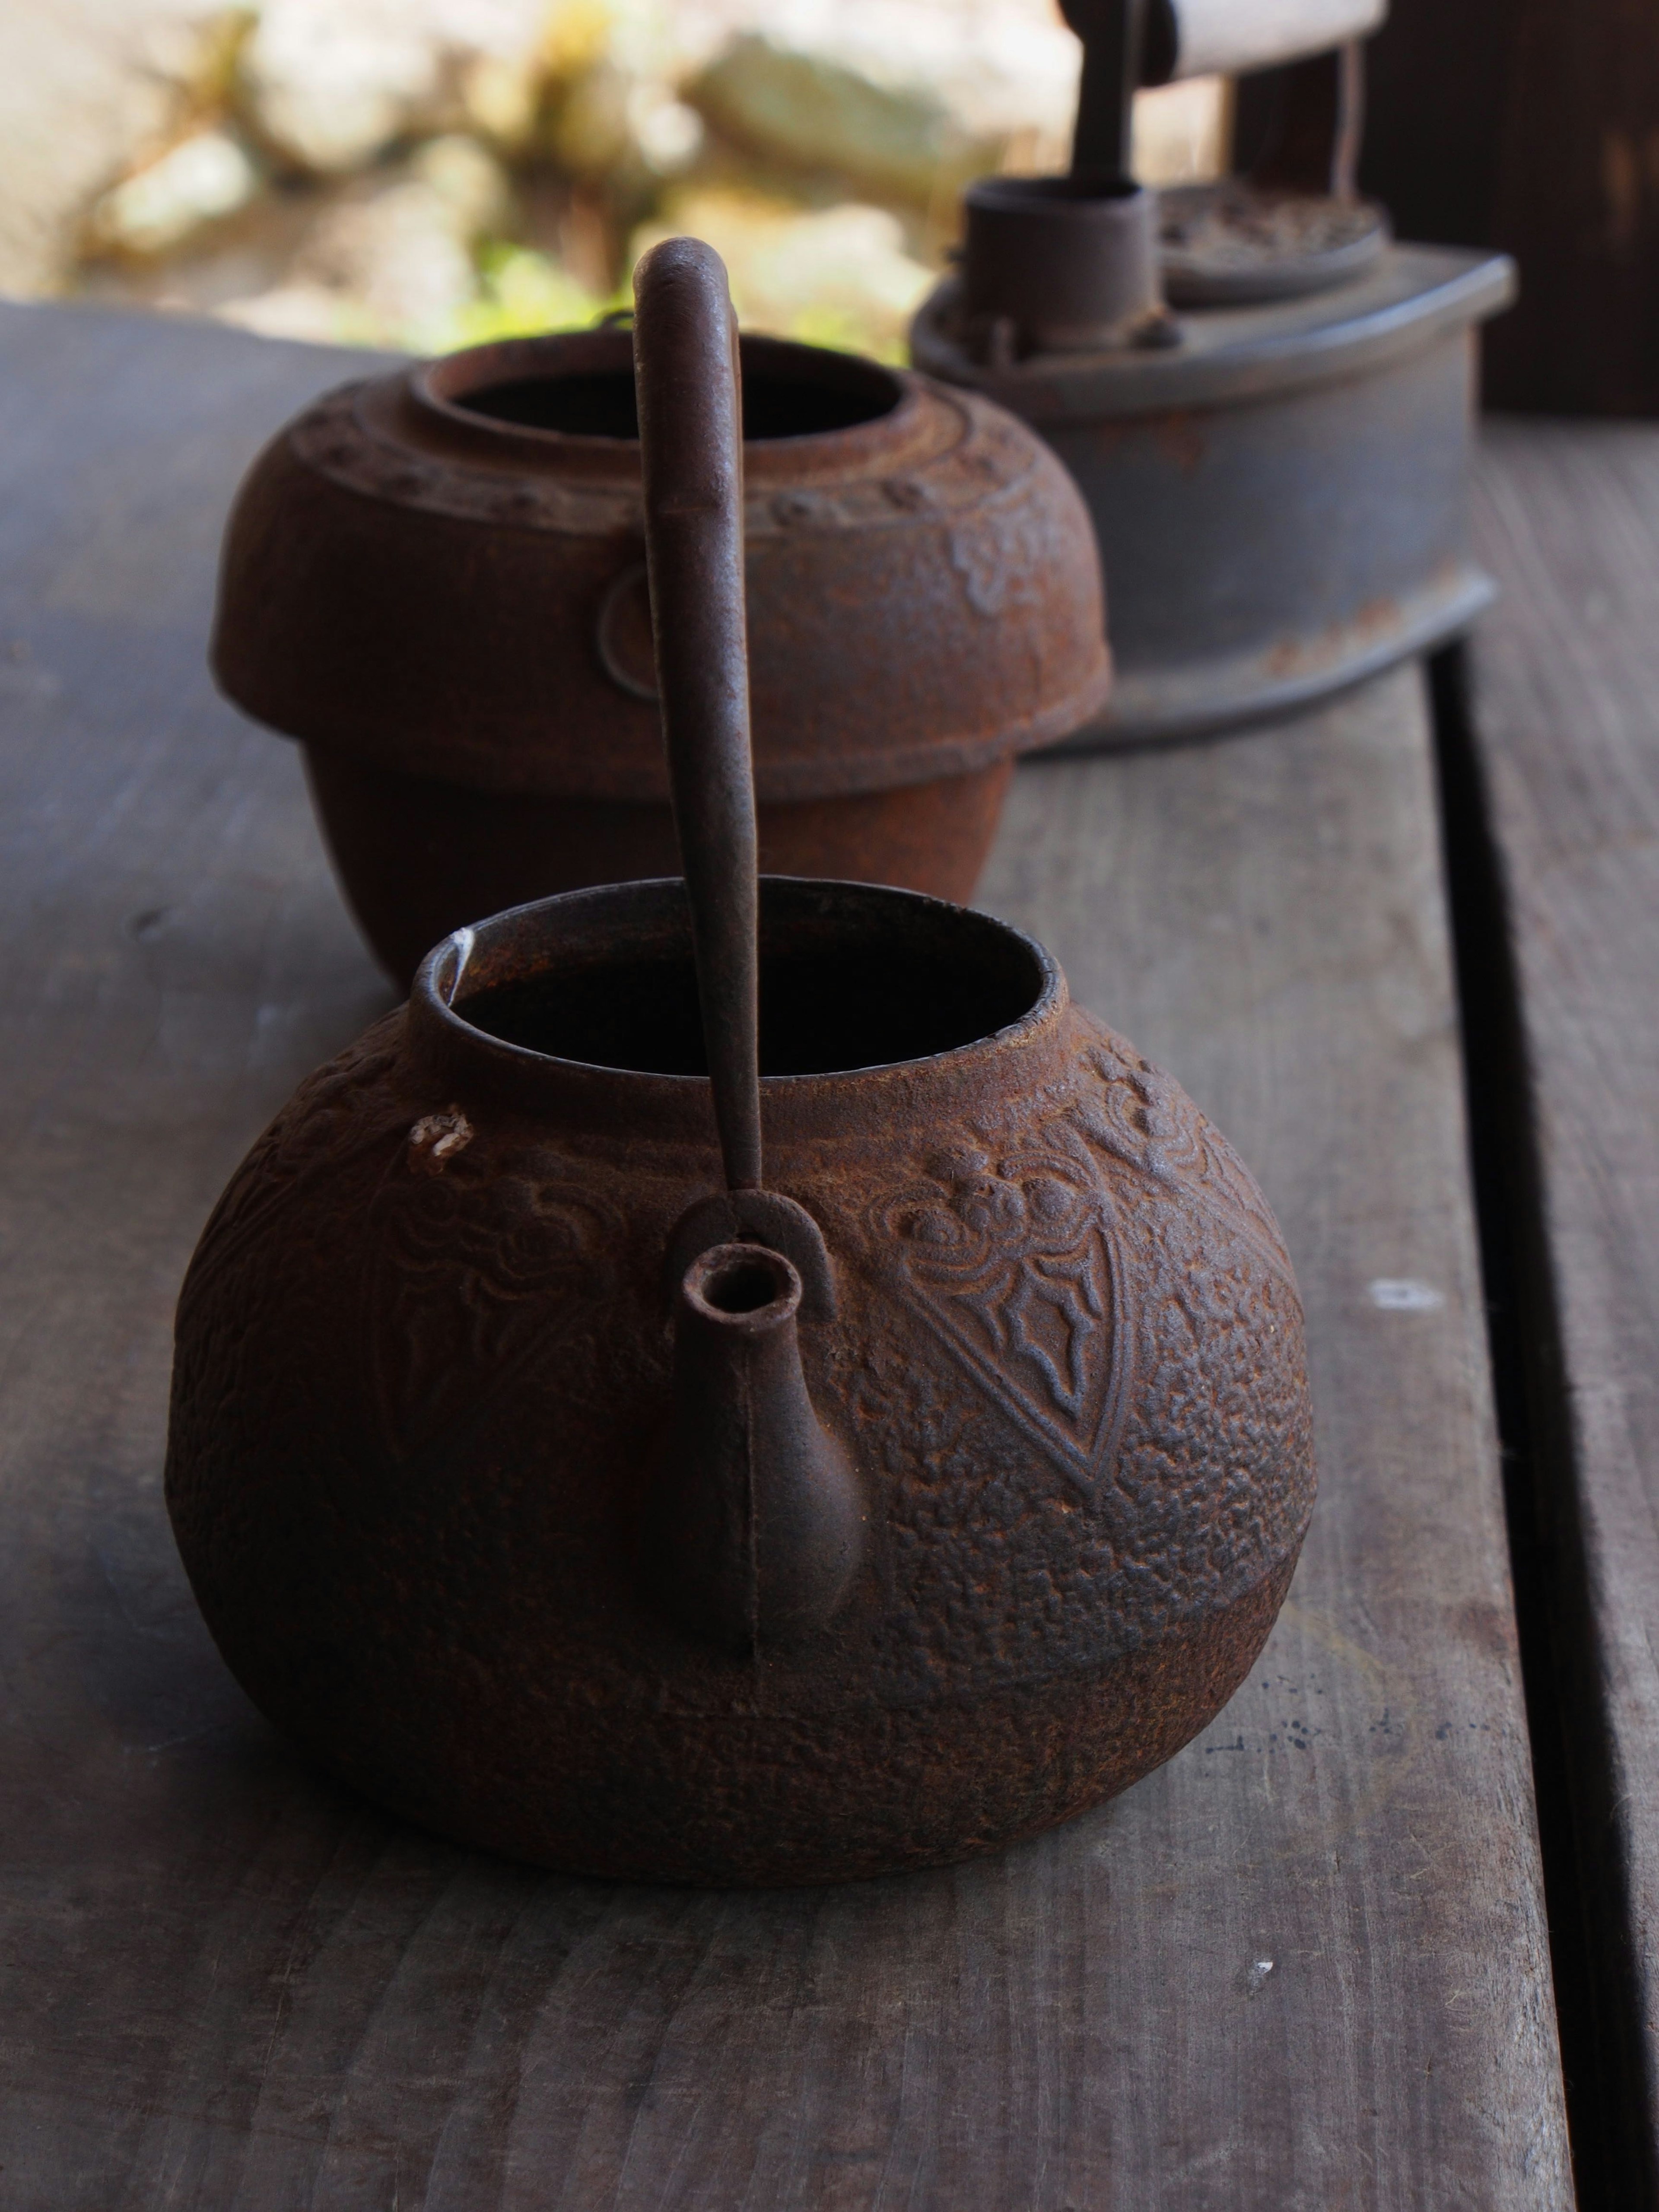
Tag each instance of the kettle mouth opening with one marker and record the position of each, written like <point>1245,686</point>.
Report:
<point>581,384</point>
<point>852,977</point>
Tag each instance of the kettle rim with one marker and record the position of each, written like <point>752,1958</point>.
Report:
<point>502,950</point>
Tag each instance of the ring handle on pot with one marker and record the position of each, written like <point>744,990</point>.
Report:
<point>688,385</point>
<point>607,646</point>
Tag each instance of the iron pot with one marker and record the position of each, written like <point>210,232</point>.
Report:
<point>435,579</point>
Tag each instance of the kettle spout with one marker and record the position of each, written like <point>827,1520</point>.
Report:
<point>755,1526</point>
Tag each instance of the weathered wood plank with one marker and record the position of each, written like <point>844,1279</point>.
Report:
<point>1302,1968</point>
<point>1567,734</point>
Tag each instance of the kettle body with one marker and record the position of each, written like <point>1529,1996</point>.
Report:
<point>439,1402</point>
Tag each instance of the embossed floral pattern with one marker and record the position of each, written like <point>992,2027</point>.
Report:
<point>1014,1260</point>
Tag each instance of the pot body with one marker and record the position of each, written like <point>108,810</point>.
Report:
<point>1281,500</point>
<point>439,574</point>
<point>425,1362</point>
<point>417,857</point>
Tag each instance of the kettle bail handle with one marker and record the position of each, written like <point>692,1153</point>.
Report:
<point>688,384</point>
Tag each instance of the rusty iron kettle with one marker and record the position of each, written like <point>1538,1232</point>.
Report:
<point>932,1474</point>
<point>435,579</point>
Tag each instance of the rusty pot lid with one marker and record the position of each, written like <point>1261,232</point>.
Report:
<point>441,569</point>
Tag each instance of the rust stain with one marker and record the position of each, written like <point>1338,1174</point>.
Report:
<point>1180,437</point>
<point>1375,618</point>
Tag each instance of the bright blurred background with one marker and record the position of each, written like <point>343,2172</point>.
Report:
<point>428,173</point>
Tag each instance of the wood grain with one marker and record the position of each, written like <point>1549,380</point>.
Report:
<point>1300,1969</point>
<point>1567,676</point>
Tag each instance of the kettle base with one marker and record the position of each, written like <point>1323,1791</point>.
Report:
<point>882,1791</point>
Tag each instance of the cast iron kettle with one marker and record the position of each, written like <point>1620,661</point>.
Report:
<point>934,1474</point>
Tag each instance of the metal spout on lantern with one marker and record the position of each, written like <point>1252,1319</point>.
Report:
<point>1070,264</point>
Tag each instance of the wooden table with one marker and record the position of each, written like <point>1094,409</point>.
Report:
<point>1302,1968</point>
<point>1561,745</point>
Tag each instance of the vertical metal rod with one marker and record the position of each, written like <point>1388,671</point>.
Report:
<point>1112,31</point>
<point>1318,111</point>
<point>1350,128</point>
<point>687,377</point>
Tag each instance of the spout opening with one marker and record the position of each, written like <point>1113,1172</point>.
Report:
<point>745,1283</point>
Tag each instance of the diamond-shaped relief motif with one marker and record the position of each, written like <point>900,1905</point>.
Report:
<point>1016,1264</point>
<point>1064,1292</point>
<point>1142,1118</point>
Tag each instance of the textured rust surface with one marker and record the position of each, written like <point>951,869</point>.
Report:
<point>417,857</point>
<point>424,1371</point>
<point>408,582</point>
<point>449,606</point>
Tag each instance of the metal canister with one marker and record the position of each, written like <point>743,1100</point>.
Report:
<point>1280,499</point>
<point>1267,405</point>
